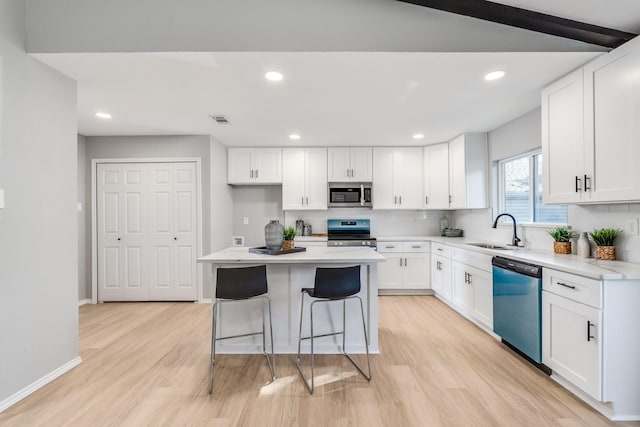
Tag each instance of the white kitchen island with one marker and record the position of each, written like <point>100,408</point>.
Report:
<point>287,275</point>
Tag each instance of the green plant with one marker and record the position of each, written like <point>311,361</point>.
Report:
<point>605,236</point>
<point>562,234</point>
<point>289,233</point>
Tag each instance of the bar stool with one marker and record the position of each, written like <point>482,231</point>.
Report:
<point>332,285</point>
<point>237,284</point>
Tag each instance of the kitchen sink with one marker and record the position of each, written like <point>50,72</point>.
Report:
<point>489,246</point>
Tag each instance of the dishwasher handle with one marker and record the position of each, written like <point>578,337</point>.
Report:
<point>520,267</point>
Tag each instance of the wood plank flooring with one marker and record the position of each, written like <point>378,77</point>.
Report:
<point>147,364</point>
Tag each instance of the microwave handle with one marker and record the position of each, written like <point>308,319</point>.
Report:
<point>361,194</point>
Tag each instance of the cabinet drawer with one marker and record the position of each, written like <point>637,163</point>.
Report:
<point>390,247</point>
<point>416,246</point>
<point>474,259</point>
<point>576,288</point>
<point>440,249</point>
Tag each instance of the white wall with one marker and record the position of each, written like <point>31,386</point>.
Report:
<point>519,136</point>
<point>103,147</point>
<point>39,225</point>
<point>275,25</point>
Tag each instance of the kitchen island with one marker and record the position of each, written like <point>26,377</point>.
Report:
<point>287,275</point>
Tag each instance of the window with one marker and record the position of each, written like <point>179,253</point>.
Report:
<point>520,191</point>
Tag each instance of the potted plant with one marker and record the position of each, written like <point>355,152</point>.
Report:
<point>288,235</point>
<point>562,237</point>
<point>604,238</point>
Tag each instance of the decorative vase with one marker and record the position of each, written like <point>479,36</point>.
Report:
<point>584,248</point>
<point>288,244</point>
<point>606,252</point>
<point>273,233</point>
<point>444,224</point>
<point>562,247</point>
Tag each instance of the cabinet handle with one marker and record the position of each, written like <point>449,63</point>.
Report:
<point>175,238</point>
<point>416,246</point>
<point>307,199</point>
<point>405,262</point>
<point>469,282</point>
<point>118,238</point>
<point>351,173</point>
<point>400,199</point>
<point>390,247</point>
<point>256,173</point>
<point>586,179</point>
<point>395,200</point>
<point>440,249</point>
<point>438,266</point>
<point>565,285</point>
<point>251,173</point>
<point>400,262</point>
<point>302,200</point>
<point>348,175</point>
<point>589,336</point>
<point>449,198</point>
<point>426,200</point>
<point>578,184</point>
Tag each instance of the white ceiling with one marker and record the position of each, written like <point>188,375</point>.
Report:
<point>346,98</point>
<point>621,15</point>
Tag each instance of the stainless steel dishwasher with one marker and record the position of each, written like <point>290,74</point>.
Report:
<point>517,305</point>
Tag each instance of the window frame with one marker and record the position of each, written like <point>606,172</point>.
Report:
<point>531,156</point>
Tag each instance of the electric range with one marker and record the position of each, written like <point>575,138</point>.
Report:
<point>350,232</point>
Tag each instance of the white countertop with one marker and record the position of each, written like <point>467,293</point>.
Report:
<point>588,267</point>
<point>313,255</point>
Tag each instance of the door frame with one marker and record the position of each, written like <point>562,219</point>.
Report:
<point>94,213</point>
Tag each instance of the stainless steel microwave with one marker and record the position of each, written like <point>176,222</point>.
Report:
<point>350,195</point>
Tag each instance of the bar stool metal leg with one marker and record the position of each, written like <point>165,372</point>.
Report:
<point>366,345</point>
<point>270,361</point>
<point>309,385</point>
<point>213,344</point>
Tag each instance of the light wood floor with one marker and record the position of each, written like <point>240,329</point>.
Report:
<point>147,364</point>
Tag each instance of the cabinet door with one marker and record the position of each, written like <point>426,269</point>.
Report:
<point>408,178</point>
<point>339,166</point>
<point>441,276</point>
<point>612,126</point>
<point>436,176</point>
<point>572,342</point>
<point>267,165</point>
<point>383,191</point>
<point>293,178</point>
<point>390,271</point>
<point>457,171</point>
<point>416,271</point>
<point>482,283</point>
<point>563,140</point>
<point>239,170</point>
<point>462,290</point>
<point>315,178</point>
<point>361,164</point>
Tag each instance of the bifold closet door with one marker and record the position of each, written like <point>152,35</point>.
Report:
<point>147,224</point>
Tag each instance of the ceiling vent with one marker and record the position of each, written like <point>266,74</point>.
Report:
<point>220,119</point>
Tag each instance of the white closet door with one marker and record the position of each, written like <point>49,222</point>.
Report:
<point>173,232</point>
<point>151,208</point>
<point>122,246</point>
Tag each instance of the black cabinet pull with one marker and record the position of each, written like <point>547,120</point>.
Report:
<point>586,179</point>
<point>578,187</point>
<point>589,336</point>
<point>565,285</point>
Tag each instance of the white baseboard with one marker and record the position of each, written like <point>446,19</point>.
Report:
<point>205,301</point>
<point>12,400</point>
<point>84,301</point>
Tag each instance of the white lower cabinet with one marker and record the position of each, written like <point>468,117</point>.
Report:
<point>473,286</point>
<point>571,342</point>
<point>441,274</point>
<point>406,267</point>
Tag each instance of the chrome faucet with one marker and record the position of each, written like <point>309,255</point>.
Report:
<point>515,239</point>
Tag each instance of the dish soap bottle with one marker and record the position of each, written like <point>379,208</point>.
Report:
<point>584,248</point>
<point>444,224</point>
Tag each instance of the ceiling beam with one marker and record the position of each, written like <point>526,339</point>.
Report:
<point>530,20</point>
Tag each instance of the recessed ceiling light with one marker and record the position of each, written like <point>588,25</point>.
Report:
<point>103,115</point>
<point>294,136</point>
<point>274,76</point>
<point>418,136</point>
<point>494,75</point>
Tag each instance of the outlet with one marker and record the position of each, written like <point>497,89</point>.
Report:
<point>245,220</point>
<point>632,227</point>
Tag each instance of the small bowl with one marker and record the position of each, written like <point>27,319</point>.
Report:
<point>453,232</point>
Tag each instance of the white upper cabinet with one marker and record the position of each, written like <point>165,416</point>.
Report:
<point>563,139</point>
<point>397,178</point>
<point>436,176</point>
<point>468,171</point>
<point>591,129</point>
<point>304,179</point>
<point>350,164</point>
<point>254,166</point>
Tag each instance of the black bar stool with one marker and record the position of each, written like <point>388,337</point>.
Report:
<point>331,285</point>
<point>237,284</point>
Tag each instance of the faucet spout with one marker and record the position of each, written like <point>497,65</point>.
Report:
<point>515,240</point>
